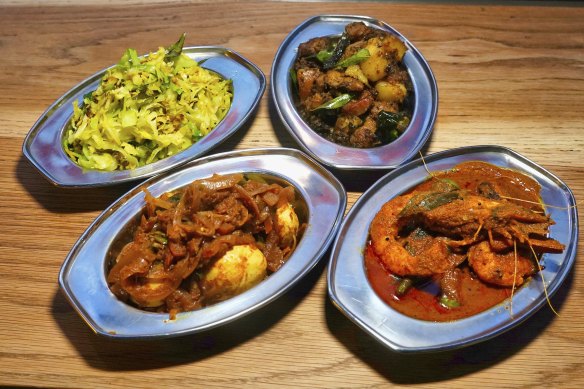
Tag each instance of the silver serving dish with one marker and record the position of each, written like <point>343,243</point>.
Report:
<point>331,154</point>
<point>43,146</point>
<point>83,274</point>
<point>350,291</point>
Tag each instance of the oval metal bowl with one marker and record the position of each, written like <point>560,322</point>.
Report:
<point>83,274</point>
<point>350,291</point>
<point>348,158</point>
<point>43,146</point>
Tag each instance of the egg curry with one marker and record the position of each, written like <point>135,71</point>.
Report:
<point>205,243</point>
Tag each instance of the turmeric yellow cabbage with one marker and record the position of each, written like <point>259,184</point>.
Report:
<point>146,109</point>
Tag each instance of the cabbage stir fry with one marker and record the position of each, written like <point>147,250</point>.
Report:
<point>205,243</point>
<point>146,109</point>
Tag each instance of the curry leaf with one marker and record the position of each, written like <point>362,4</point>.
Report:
<point>335,103</point>
<point>294,78</point>
<point>323,55</point>
<point>427,201</point>
<point>337,52</point>
<point>355,59</point>
<point>390,125</point>
<point>175,49</point>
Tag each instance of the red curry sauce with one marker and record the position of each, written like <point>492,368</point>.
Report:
<point>422,300</point>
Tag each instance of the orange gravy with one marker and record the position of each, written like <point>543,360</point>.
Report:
<point>422,300</point>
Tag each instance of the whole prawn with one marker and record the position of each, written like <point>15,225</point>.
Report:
<point>428,232</point>
<point>430,256</point>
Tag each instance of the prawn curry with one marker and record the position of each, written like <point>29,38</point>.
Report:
<point>205,243</point>
<point>458,243</point>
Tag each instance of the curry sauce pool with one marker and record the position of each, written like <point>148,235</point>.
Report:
<point>474,227</point>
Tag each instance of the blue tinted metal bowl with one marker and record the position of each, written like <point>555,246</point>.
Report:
<point>43,146</point>
<point>350,291</point>
<point>83,274</point>
<point>331,154</point>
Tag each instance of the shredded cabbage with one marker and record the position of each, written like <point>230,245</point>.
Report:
<point>146,109</point>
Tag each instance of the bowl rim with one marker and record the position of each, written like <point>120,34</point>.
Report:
<point>82,275</point>
<point>334,155</point>
<point>349,289</point>
<point>43,148</point>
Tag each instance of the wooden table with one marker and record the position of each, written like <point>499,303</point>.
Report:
<point>507,75</point>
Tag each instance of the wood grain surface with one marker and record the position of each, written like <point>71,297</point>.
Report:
<point>507,75</point>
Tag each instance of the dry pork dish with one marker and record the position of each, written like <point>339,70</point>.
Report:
<point>459,243</point>
<point>353,89</point>
<point>205,243</point>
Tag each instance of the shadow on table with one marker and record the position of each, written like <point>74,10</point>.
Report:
<point>74,200</point>
<point>66,201</point>
<point>418,368</point>
<point>129,355</point>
